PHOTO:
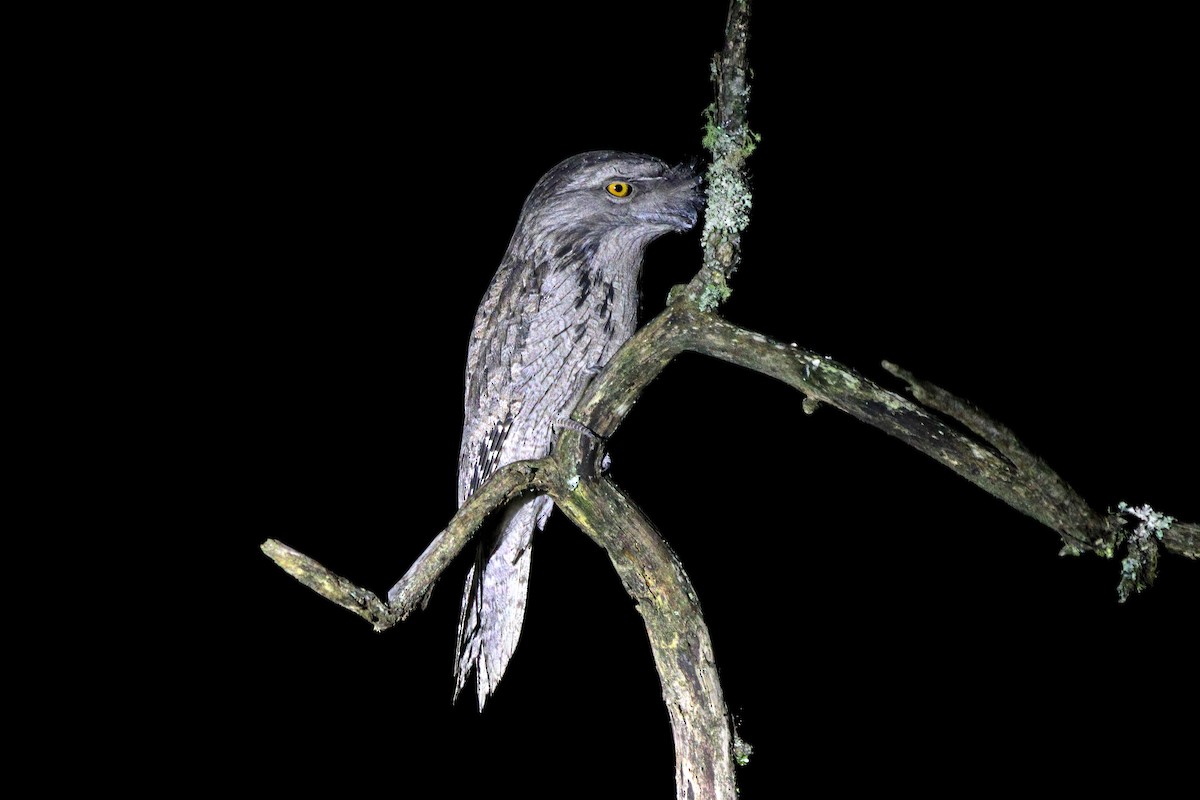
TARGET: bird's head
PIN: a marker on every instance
(607, 192)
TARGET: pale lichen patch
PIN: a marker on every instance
(742, 750)
(1139, 568)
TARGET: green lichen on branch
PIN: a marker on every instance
(728, 137)
(728, 202)
(742, 750)
(715, 293)
(720, 142)
(1139, 568)
(728, 196)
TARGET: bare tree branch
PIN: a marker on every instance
(1034, 488)
(1183, 539)
(328, 584)
(506, 484)
(730, 140)
(679, 639)
(996, 461)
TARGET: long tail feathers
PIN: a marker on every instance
(493, 606)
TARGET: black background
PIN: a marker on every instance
(994, 201)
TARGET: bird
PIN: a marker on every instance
(563, 300)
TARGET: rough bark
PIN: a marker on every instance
(679, 639)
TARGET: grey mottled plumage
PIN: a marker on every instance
(563, 300)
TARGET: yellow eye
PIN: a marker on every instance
(619, 189)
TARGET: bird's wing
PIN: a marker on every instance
(492, 400)
(493, 604)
